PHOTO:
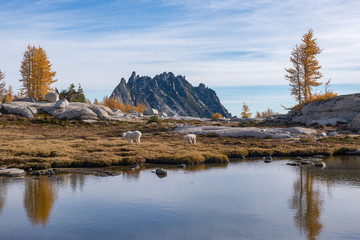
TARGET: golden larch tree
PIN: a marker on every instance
(309, 50)
(36, 73)
(304, 75)
(245, 111)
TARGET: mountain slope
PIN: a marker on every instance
(170, 94)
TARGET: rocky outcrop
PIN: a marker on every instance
(171, 95)
(61, 109)
(12, 172)
(340, 109)
(292, 132)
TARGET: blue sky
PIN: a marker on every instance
(237, 47)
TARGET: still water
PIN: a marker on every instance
(241, 200)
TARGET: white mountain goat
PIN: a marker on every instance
(130, 136)
(190, 138)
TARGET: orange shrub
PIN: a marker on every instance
(113, 103)
(216, 115)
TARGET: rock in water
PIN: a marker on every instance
(160, 171)
(12, 172)
(169, 94)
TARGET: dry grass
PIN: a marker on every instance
(38, 144)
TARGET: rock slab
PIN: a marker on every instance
(12, 172)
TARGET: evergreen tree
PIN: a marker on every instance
(245, 111)
(36, 73)
(2, 85)
(72, 95)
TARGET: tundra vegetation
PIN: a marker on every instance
(46, 142)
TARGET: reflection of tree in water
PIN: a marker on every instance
(306, 200)
(77, 180)
(3, 188)
(39, 199)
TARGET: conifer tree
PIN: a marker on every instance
(295, 75)
(309, 50)
(304, 74)
(245, 111)
(2, 85)
(36, 73)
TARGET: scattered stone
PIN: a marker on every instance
(181, 165)
(298, 158)
(12, 172)
(268, 159)
(134, 167)
(25, 99)
(320, 164)
(151, 111)
(321, 135)
(318, 156)
(62, 103)
(293, 164)
(307, 162)
(52, 97)
(332, 134)
(160, 171)
(48, 172)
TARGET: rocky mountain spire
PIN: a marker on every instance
(170, 94)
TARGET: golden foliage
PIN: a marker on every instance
(39, 200)
(245, 111)
(36, 73)
(216, 115)
(268, 112)
(113, 103)
(9, 95)
(304, 74)
(316, 98)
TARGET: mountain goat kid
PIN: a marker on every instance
(130, 136)
(190, 138)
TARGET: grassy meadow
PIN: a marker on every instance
(46, 142)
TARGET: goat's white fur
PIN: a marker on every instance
(130, 136)
(190, 138)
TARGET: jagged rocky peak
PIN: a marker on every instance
(170, 94)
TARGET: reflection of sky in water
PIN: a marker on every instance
(245, 200)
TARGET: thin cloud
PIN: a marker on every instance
(217, 42)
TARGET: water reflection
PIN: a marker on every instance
(307, 202)
(307, 199)
(39, 199)
(3, 190)
(77, 181)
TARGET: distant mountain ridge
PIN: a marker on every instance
(169, 94)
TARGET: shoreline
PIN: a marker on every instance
(41, 144)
